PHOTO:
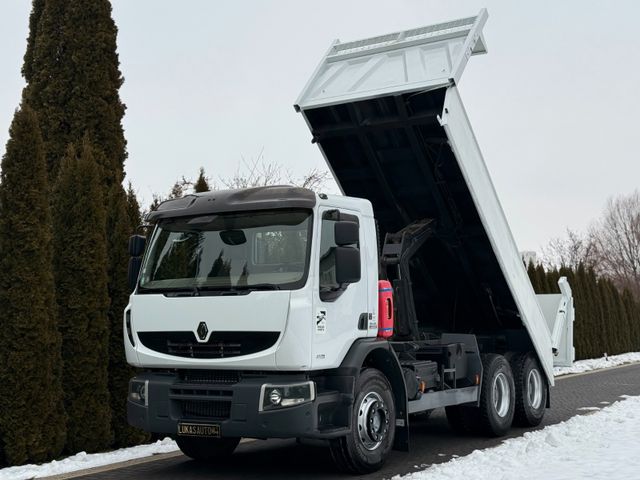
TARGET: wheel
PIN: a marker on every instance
(207, 449)
(497, 396)
(497, 401)
(365, 448)
(530, 389)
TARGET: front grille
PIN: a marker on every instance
(216, 409)
(219, 345)
(209, 377)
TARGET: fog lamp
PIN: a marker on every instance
(139, 391)
(279, 396)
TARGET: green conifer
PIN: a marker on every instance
(541, 281)
(533, 277)
(32, 419)
(133, 210)
(201, 184)
(633, 312)
(80, 249)
(73, 78)
(119, 228)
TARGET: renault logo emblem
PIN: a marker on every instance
(202, 331)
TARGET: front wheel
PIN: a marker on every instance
(365, 448)
(207, 450)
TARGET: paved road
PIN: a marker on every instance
(431, 441)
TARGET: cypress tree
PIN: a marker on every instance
(73, 76)
(554, 275)
(32, 419)
(201, 184)
(133, 209)
(80, 249)
(533, 277)
(582, 325)
(622, 325)
(73, 79)
(37, 8)
(633, 312)
(606, 317)
(541, 280)
(119, 228)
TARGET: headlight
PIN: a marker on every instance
(279, 396)
(139, 391)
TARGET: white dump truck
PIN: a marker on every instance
(277, 312)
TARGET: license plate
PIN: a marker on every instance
(199, 430)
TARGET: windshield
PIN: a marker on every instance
(235, 251)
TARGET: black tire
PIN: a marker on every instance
(531, 390)
(490, 418)
(490, 421)
(207, 450)
(359, 452)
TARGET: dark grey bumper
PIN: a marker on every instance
(235, 407)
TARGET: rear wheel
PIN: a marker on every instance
(531, 390)
(207, 449)
(497, 401)
(367, 445)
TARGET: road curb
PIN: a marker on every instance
(599, 370)
(114, 466)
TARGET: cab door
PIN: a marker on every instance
(340, 309)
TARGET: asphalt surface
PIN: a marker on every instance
(432, 441)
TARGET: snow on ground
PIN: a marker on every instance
(598, 363)
(598, 445)
(82, 461)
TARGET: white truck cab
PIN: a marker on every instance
(289, 298)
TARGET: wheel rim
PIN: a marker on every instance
(373, 421)
(501, 395)
(534, 388)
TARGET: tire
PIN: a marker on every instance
(531, 390)
(497, 396)
(207, 450)
(366, 447)
(495, 414)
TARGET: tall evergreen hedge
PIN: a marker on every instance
(73, 79)
(32, 418)
(607, 320)
(80, 250)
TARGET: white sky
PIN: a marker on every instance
(554, 104)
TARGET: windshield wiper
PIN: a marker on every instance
(239, 288)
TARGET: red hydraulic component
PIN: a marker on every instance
(385, 309)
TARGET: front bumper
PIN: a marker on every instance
(231, 400)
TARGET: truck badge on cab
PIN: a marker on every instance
(202, 331)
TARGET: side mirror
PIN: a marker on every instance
(134, 270)
(347, 265)
(346, 233)
(136, 245)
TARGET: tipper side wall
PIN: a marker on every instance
(400, 147)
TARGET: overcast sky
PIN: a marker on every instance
(554, 104)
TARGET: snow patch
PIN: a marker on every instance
(602, 445)
(598, 363)
(83, 460)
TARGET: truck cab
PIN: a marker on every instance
(246, 306)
